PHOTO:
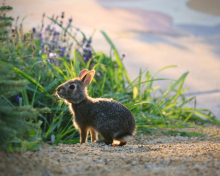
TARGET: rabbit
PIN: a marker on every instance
(106, 117)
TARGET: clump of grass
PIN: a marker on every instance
(43, 58)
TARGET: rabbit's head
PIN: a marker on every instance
(74, 90)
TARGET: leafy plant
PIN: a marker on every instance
(15, 131)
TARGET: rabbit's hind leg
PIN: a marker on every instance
(94, 135)
(107, 142)
(105, 131)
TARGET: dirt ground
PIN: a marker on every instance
(156, 154)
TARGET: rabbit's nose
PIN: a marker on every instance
(59, 89)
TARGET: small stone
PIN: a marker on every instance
(135, 147)
(65, 149)
(133, 163)
(46, 173)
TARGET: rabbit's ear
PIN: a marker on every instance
(83, 73)
(88, 77)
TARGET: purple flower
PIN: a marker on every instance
(62, 51)
(70, 20)
(68, 57)
(52, 48)
(89, 50)
(62, 15)
(42, 47)
(34, 30)
(87, 54)
(123, 54)
(39, 35)
(89, 42)
(61, 54)
(47, 28)
(85, 58)
(17, 99)
(54, 32)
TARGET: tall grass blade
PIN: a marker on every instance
(76, 62)
(118, 60)
(59, 71)
(153, 103)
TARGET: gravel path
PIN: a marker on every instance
(156, 154)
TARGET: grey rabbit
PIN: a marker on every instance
(106, 117)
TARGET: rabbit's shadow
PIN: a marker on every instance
(125, 149)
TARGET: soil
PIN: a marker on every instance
(156, 154)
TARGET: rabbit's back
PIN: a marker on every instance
(97, 112)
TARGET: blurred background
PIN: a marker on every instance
(151, 33)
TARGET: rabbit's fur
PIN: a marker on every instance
(106, 117)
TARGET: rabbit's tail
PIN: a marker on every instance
(123, 137)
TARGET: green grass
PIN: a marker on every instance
(155, 110)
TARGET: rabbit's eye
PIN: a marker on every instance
(72, 86)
